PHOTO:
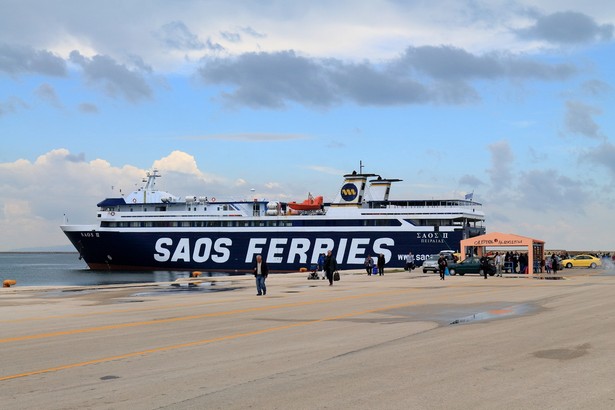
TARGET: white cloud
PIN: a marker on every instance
(579, 120)
(344, 29)
(47, 93)
(273, 185)
(116, 79)
(38, 194)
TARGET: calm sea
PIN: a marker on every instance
(65, 269)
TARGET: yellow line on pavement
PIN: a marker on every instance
(204, 341)
(214, 314)
(195, 317)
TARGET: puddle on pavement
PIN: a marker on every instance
(492, 314)
(174, 290)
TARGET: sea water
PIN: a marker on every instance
(66, 269)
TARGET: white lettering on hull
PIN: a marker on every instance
(275, 250)
(201, 252)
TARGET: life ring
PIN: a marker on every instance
(112, 213)
(134, 200)
(213, 199)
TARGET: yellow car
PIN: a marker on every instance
(582, 261)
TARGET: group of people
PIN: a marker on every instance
(514, 261)
(369, 265)
(327, 263)
(518, 263)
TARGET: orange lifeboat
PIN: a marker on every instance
(310, 204)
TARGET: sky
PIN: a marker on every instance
(509, 100)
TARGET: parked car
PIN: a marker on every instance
(431, 264)
(582, 261)
(470, 265)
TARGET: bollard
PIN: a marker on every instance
(8, 283)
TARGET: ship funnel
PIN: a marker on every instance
(380, 188)
(352, 191)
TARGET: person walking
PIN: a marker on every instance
(498, 264)
(484, 265)
(554, 264)
(409, 261)
(542, 265)
(261, 270)
(330, 266)
(442, 264)
(381, 264)
(321, 264)
(369, 265)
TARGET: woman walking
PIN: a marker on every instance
(330, 266)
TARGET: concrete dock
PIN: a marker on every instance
(398, 341)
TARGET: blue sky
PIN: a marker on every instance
(511, 100)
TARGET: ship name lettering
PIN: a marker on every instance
(275, 250)
(304, 251)
(431, 235)
(201, 251)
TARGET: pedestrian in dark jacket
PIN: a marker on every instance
(369, 263)
(330, 266)
(261, 270)
(554, 265)
(484, 265)
(442, 264)
(381, 264)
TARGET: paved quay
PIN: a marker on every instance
(398, 341)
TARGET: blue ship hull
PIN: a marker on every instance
(235, 251)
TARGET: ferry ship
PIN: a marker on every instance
(150, 229)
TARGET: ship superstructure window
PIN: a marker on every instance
(254, 223)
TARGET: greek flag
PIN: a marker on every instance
(470, 196)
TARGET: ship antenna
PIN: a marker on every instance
(360, 166)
